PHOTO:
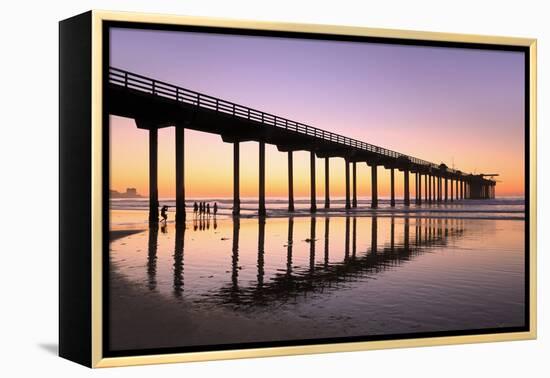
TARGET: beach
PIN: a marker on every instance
(223, 281)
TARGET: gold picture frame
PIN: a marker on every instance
(96, 19)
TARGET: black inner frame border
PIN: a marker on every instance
(106, 25)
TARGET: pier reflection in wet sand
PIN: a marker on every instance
(383, 275)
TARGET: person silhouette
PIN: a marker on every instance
(163, 213)
(195, 208)
(215, 208)
(200, 207)
(208, 209)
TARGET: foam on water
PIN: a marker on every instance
(512, 208)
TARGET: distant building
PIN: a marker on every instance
(130, 193)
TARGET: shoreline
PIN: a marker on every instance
(140, 226)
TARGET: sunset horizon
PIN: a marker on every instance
(445, 105)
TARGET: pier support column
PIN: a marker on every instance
(290, 182)
(313, 207)
(374, 186)
(446, 187)
(430, 188)
(348, 204)
(452, 192)
(436, 188)
(436, 183)
(461, 189)
(406, 194)
(439, 187)
(153, 177)
(327, 180)
(416, 188)
(261, 186)
(419, 177)
(419, 188)
(426, 187)
(236, 179)
(180, 175)
(392, 187)
(354, 187)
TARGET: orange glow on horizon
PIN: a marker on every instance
(209, 165)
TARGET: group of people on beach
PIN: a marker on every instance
(204, 208)
(200, 209)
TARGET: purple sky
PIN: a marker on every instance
(438, 104)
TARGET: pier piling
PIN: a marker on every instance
(392, 187)
(406, 194)
(374, 186)
(236, 179)
(290, 182)
(313, 181)
(180, 175)
(354, 186)
(261, 186)
(327, 180)
(348, 203)
(153, 177)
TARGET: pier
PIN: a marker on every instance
(155, 104)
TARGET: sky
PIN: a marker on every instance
(463, 107)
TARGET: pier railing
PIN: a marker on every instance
(159, 88)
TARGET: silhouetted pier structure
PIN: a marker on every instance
(154, 104)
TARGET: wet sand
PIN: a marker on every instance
(477, 270)
(162, 323)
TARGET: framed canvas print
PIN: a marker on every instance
(236, 189)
